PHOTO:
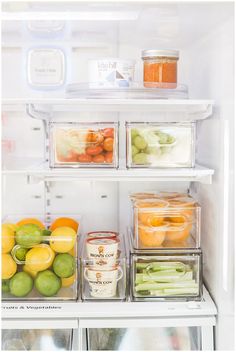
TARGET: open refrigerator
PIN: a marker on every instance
(38, 183)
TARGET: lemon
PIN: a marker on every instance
(73, 251)
(39, 258)
(12, 226)
(9, 267)
(8, 238)
(32, 273)
(67, 281)
(63, 239)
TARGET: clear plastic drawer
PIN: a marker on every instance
(83, 145)
(166, 276)
(160, 145)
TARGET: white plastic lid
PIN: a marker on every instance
(160, 53)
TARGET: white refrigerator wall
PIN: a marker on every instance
(203, 32)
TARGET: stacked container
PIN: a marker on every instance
(165, 247)
(103, 267)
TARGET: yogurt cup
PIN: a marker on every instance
(110, 72)
(103, 283)
(102, 234)
(103, 251)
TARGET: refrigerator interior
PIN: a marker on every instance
(203, 32)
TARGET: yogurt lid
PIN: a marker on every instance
(103, 241)
(100, 234)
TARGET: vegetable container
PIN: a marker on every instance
(103, 282)
(84, 145)
(160, 68)
(160, 145)
(111, 72)
(39, 259)
(166, 223)
(168, 275)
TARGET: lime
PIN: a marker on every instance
(47, 283)
(21, 253)
(21, 284)
(5, 286)
(46, 232)
(64, 265)
(28, 235)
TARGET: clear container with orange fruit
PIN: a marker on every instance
(166, 222)
(84, 145)
(39, 257)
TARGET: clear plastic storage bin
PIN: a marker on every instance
(83, 145)
(166, 223)
(160, 145)
(39, 258)
(103, 266)
(169, 275)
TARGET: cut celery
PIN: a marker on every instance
(156, 266)
(167, 277)
(185, 290)
(168, 286)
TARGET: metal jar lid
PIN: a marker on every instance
(160, 53)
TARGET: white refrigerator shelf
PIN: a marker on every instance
(27, 310)
(171, 110)
(39, 170)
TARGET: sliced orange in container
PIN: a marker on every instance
(153, 218)
(151, 237)
(178, 231)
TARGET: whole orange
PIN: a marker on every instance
(64, 222)
(30, 221)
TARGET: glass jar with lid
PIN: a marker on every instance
(160, 68)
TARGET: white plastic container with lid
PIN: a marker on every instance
(46, 68)
(111, 72)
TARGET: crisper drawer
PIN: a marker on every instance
(83, 144)
(145, 339)
(166, 333)
(40, 335)
(166, 276)
(156, 145)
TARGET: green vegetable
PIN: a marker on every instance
(140, 158)
(134, 150)
(165, 279)
(140, 143)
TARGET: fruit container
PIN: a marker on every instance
(103, 282)
(84, 145)
(39, 258)
(166, 275)
(160, 145)
(166, 223)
